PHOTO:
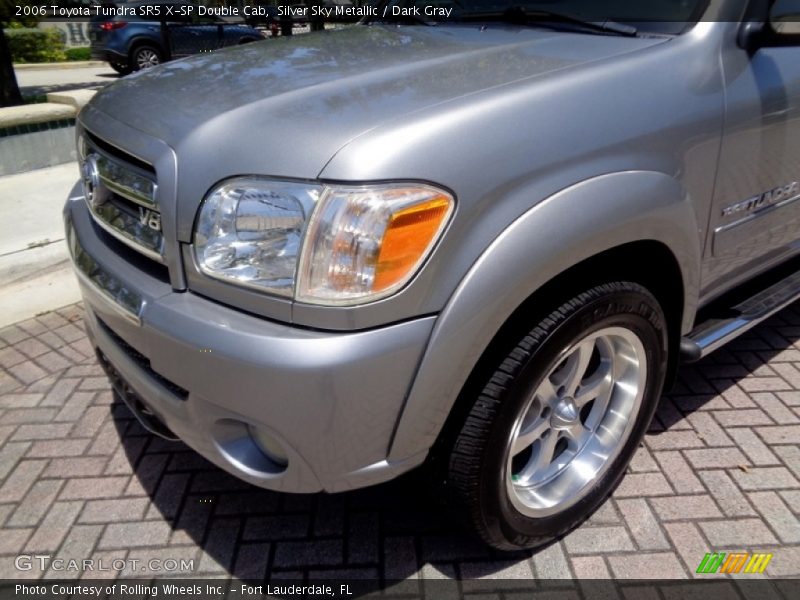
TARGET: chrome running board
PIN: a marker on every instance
(711, 334)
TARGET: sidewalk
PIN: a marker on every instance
(39, 79)
(72, 64)
(35, 274)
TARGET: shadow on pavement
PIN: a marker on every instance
(741, 358)
(382, 533)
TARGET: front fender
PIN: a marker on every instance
(573, 225)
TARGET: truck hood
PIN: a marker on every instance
(285, 107)
(292, 102)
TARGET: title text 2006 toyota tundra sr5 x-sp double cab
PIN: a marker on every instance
(482, 244)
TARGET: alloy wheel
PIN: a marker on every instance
(576, 421)
(146, 58)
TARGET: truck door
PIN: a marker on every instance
(755, 220)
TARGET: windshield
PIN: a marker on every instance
(655, 16)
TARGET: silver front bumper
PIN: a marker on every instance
(332, 399)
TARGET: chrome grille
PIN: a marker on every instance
(122, 197)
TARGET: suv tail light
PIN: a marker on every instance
(111, 25)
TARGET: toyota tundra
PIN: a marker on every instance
(481, 243)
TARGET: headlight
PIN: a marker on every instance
(331, 245)
(249, 232)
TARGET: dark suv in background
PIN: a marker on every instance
(130, 43)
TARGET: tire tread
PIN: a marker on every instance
(465, 462)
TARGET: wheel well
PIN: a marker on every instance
(648, 263)
(138, 43)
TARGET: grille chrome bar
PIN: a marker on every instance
(129, 230)
(122, 199)
(127, 183)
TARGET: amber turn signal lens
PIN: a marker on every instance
(408, 237)
(366, 242)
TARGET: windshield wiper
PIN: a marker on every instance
(519, 14)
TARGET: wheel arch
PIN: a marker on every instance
(637, 226)
(144, 40)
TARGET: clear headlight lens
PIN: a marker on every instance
(360, 244)
(249, 232)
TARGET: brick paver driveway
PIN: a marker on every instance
(720, 471)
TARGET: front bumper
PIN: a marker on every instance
(208, 372)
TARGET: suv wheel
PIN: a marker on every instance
(144, 57)
(554, 427)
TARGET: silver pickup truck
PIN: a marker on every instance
(480, 242)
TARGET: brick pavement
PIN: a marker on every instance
(79, 478)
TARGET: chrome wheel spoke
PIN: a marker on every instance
(547, 392)
(600, 407)
(542, 458)
(577, 434)
(598, 384)
(527, 437)
(574, 370)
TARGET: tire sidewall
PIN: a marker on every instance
(637, 312)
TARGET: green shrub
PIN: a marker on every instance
(35, 45)
(78, 53)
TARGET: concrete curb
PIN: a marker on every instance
(28, 114)
(59, 105)
(73, 64)
(75, 98)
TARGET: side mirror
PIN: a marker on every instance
(784, 21)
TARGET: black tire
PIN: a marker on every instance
(479, 478)
(136, 61)
(121, 68)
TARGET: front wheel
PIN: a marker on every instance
(144, 57)
(550, 434)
